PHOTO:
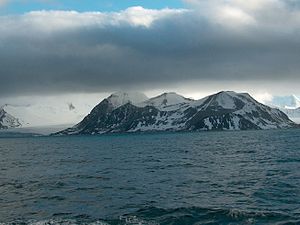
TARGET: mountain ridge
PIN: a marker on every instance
(290, 105)
(225, 110)
(7, 120)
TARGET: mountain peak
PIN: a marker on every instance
(169, 93)
(296, 101)
(7, 120)
(233, 94)
(285, 102)
(118, 99)
(224, 99)
(167, 99)
(226, 92)
(224, 110)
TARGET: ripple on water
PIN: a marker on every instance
(183, 178)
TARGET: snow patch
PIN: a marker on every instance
(121, 98)
(167, 102)
(225, 100)
(7, 120)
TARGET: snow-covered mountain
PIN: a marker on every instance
(290, 105)
(293, 114)
(285, 102)
(121, 98)
(46, 114)
(7, 120)
(167, 101)
(172, 112)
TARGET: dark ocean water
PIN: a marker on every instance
(249, 177)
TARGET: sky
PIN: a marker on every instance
(23, 6)
(194, 47)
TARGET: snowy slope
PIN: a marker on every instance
(7, 120)
(169, 111)
(293, 114)
(45, 114)
(121, 98)
(290, 105)
(222, 99)
(167, 101)
(37, 115)
(234, 111)
(285, 102)
(49, 112)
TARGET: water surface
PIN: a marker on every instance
(248, 177)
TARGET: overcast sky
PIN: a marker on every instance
(192, 46)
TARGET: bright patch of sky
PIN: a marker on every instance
(22, 6)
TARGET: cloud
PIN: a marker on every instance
(212, 41)
(3, 2)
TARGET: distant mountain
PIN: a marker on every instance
(121, 98)
(172, 112)
(285, 102)
(7, 120)
(46, 114)
(290, 105)
(56, 112)
(293, 114)
(167, 101)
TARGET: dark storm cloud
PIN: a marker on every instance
(56, 52)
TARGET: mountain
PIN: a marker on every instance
(121, 98)
(293, 114)
(47, 113)
(167, 101)
(285, 102)
(172, 112)
(290, 105)
(7, 120)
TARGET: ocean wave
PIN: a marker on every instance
(177, 216)
(55, 222)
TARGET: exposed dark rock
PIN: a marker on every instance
(169, 111)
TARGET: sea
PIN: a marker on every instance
(234, 177)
